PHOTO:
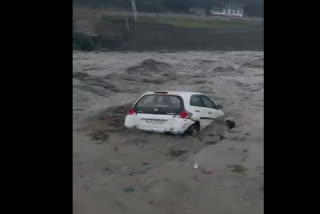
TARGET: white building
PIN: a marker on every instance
(227, 12)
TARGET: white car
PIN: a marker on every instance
(173, 111)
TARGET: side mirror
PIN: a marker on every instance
(219, 107)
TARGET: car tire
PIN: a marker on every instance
(192, 130)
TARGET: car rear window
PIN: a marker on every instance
(159, 104)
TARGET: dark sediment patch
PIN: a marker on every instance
(258, 63)
(154, 81)
(80, 75)
(150, 65)
(91, 89)
(176, 153)
(241, 84)
(200, 82)
(93, 84)
(108, 121)
(199, 76)
(221, 69)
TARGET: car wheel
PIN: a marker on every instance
(192, 130)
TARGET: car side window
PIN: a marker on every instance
(208, 103)
(196, 101)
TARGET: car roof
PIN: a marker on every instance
(179, 93)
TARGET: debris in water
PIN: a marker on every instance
(147, 167)
(195, 166)
(222, 137)
(128, 189)
(148, 181)
(176, 153)
(237, 168)
(145, 163)
(230, 122)
(204, 171)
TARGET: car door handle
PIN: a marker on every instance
(197, 111)
(209, 112)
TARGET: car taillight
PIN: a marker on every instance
(183, 114)
(132, 112)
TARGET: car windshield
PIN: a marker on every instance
(159, 104)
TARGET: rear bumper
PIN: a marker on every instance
(174, 125)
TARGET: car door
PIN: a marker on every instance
(199, 111)
(212, 111)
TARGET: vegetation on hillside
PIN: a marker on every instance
(170, 33)
(190, 22)
(252, 8)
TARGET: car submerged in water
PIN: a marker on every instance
(173, 112)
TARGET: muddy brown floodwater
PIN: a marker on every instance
(120, 171)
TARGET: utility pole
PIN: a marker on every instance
(127, 22)
(134, 10)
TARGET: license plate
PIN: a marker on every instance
(157, 122)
